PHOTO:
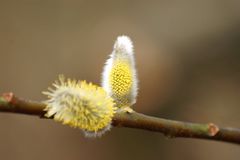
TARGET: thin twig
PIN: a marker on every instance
(170, 128)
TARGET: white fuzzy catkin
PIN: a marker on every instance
(119, 78)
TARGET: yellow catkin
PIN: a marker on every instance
(80, 104)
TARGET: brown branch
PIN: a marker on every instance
(170, 128)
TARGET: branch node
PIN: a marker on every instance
(212, 129)
(8, 96)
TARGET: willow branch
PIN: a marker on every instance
(170, 128)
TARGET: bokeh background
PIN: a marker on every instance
(188, 60)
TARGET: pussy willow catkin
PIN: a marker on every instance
(80, 105)
(119, 77)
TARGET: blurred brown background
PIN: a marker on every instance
(188, 60)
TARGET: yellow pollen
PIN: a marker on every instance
(121, 80)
